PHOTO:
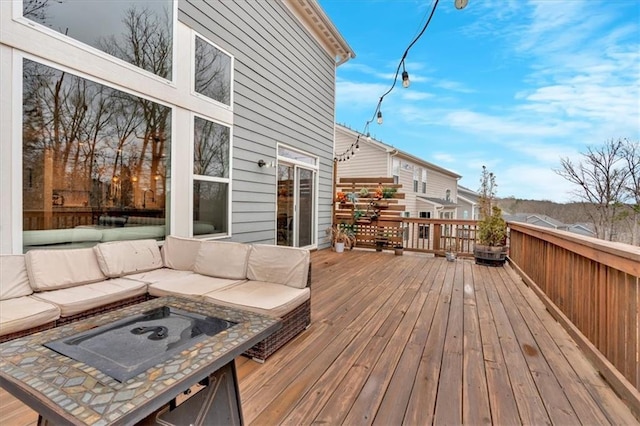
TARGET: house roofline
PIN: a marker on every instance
(397, 152)
(462, 197)
(316, 21)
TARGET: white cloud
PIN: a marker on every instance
(537, 182)
(443, 157)
(358, 94)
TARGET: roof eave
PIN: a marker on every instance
(316, 21)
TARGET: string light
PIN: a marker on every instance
(405, 79)
(377, 114)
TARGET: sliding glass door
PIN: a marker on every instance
(296, 210)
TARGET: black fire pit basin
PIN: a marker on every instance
(127, 347)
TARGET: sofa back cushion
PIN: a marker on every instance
(180, 253)
(223, 259)
(51, 269)
(278, 264)
(119, 258)
(14, 281)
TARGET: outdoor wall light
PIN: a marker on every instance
(262, 163)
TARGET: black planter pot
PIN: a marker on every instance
(489, 255)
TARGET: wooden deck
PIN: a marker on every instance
(417, 340)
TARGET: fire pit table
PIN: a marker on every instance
(135, 364)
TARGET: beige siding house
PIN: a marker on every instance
(430, 191)
(468, 207)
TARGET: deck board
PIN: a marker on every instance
(414, 339)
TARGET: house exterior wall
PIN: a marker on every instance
(284, 93)
(438, 184)
(369, 158)
(465, 207)
(283, 84)
(376, 159)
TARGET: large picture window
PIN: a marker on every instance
(211, 166)
(95, 161)
(212, 72)
(139, 32)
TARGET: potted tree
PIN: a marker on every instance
(491, 236)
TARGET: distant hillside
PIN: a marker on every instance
(566, 213)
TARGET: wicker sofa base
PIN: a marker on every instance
(293, 323)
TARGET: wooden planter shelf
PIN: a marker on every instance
(382, 217)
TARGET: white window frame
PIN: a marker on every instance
(204, 178)
(192, 85)
(19, 19)
(17, 142)
(424, 181)
(301, 164)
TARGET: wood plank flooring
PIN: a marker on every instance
(417, 340)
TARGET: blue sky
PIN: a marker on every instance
(515, 85)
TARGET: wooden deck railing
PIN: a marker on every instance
(592, 287)
(438, 236)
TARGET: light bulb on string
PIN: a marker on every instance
(405, 79)
(379, 117)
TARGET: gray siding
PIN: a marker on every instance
(284, 92)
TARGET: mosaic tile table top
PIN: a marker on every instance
(64, 390)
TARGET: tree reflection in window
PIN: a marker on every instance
(139, 32)
(90, 151)
(211, 177)
(212, 72)
(211, 149)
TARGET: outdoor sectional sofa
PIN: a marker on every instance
(49, 287)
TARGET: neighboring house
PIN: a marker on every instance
(549, 222)
(468, 207)
(128, 119)
(430, 191)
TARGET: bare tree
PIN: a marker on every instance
(631, 155)
(602, 178)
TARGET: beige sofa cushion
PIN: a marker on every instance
(278, 264)
(192, 286)
(75, 300)
(157, 275)
(260, 297)
(23, 313)
(223, 259)
(51, 269)
(180, 253)
(14, 281)
(118, 258)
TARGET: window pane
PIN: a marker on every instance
(210, 149)
(212, 72)
(210, 212)
(295, 155)
(137, 31)
(93, 157)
